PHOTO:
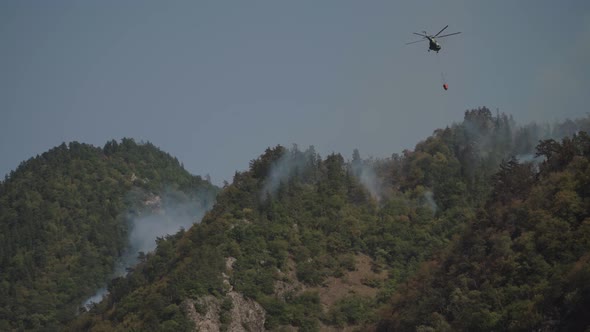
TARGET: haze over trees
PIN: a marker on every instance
(483, 226)
(522, 263)
(65, 221)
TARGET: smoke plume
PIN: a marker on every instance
(156, 216)
(292, 163)
(364, 171)
(429, 199)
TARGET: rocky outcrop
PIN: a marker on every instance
(234, 312)
(246, 314)
(204, 312)
(209, 315)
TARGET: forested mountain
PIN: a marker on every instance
(467, 232)
(65, 222)
(522, 264)
(483, 226)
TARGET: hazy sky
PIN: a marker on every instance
(215, 83)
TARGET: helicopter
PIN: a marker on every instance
(433, 44)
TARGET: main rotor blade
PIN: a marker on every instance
(417, 41)
(443, 29)
(450, 34)
(419, 34)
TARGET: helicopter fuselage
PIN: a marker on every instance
(433, 45)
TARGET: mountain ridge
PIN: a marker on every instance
(298, 227)
(295, 211)
(64, 224)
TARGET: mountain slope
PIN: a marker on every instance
(524, 262)
(64, 224)
(296, 224)
(303, 242)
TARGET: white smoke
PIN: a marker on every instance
(291, 163)
(529, 158)
(96, 298)
(367, 177)
(159, 216)
(364, 171)
(429, 198)
(280, 172)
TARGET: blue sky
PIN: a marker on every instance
(216, 82)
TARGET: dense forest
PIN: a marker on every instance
(483, 226)
(65, 222)
(522, 264)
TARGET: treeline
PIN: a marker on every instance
(439, 220)
(294, 211)
(63, 224)
(522, 264)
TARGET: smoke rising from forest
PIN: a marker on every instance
(364, 171)
(429, 198)
(489, 134)
(369, 180)
(292, 162)
(529, 158)
(297, 163)
(155, 217)
(484, 138)
(285, 167)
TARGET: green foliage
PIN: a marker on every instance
(517, 266)
(351, 310)
(295, 217)
(303, 311)
(470, 238)
(63, 224)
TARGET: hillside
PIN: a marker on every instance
(301, 242)
(522, 264)
(483, 226)
(65, 221)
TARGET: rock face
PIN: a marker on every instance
(244, 315)
(210, 313)
(207, 317)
